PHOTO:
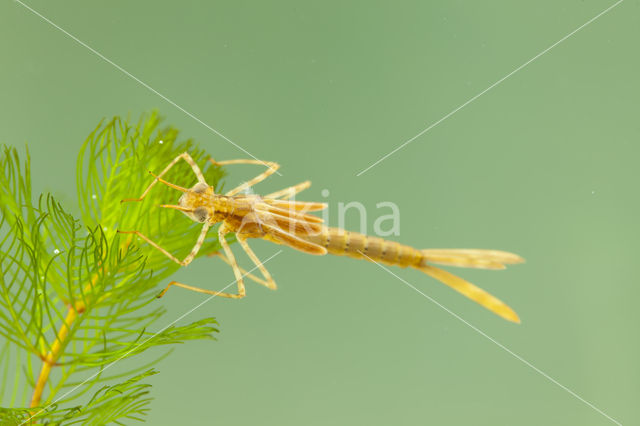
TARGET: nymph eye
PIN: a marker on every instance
(201, 214)
(199, 188)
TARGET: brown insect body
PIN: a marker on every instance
(275, 218)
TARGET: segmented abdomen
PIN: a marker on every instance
(344, 243)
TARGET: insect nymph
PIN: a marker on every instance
(275, 218)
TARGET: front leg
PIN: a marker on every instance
(187, 260)
(186, 157)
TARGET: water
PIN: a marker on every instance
(543, 164)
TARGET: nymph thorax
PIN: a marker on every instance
(202, 204)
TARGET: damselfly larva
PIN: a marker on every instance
(275, 218)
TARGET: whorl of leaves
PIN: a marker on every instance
(51, 261)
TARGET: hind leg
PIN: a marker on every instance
(272, 168)
(290, 191)
(244, 273)
(222, 231)
(265, 273)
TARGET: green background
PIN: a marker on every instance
(544, 165)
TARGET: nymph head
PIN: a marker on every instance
(196, 202)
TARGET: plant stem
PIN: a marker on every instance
(50, 359)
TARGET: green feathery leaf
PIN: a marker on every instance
(77, 295)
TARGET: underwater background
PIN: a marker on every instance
(543, 164)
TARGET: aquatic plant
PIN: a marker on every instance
(76, 297)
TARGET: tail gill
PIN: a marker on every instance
(470, 258)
